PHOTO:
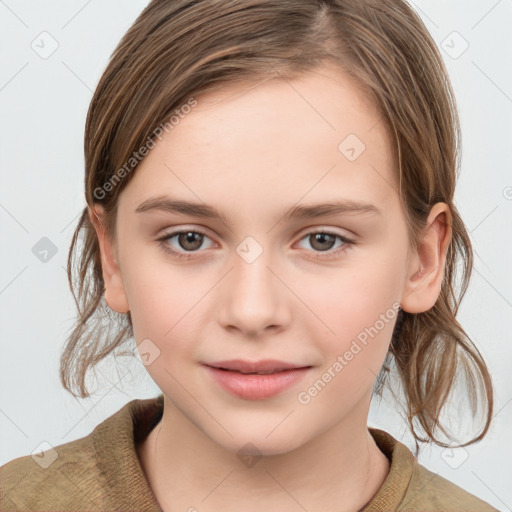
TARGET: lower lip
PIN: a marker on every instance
(254, 386)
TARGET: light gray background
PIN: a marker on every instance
(43, 104)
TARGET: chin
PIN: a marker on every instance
(256, 441)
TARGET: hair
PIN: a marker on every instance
(175, 50)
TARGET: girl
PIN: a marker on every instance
(270, 207)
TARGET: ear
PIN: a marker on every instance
(426, 266)
(115, 295)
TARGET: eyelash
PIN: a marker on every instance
(183, 256)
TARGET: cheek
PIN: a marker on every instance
(361, 310)
(358, 308)
(167, 307)
(161, 313)
(157, 294)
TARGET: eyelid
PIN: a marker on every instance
(175, 230)
(327, 229)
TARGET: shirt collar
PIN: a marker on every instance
(115, 447)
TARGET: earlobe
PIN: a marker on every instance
(115, 295)
(427, 264)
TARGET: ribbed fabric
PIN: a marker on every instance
(101, 472)
(114, 444)
(394, 488)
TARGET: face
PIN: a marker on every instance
(317, 291)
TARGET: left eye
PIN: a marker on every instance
(192, 240)
(323, 241)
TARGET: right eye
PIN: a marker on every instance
(189, 239)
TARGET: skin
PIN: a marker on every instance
(251, 151)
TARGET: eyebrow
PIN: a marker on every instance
(167, 204)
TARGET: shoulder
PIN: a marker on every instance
(97, 472)
(59, 478)
(411, 487)
(430, 492)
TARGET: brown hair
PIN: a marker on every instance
(177, 49)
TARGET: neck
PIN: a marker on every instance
(340, 469)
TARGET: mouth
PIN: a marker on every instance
(256, 380)
(269, 372)
(264, 367)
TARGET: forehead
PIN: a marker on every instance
(274, 142)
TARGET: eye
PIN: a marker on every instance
(324, 241)
(190, 240)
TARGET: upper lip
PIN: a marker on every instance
(266, 365)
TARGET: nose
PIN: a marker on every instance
(253, 298)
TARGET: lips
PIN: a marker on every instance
(265, 367)
(255, 380)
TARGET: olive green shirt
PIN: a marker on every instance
(101, 471)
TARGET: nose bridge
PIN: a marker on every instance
(252, 277)
(252, 300)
